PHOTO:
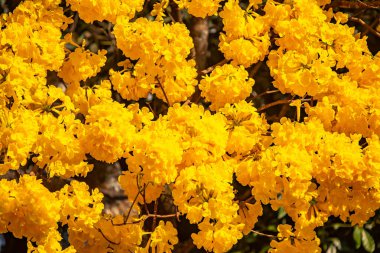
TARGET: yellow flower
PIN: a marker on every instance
(91, 10)
(246, 127)
(161, 52)
(22, 198)
(217, 237)
(199, 8)
(82, 64)
(79, 206)
(194, 124)
(18, 134)
(226, 84)
(246, 40)
(163, 238)
(109, 131)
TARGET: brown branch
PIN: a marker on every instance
(211, 68)
(367, 26)
(75, 23)
(355, 5)
(175, 12)
(249, 199)
(155, 215)
(130, 209)
(144, 199)
(374, 23)
(163, 91)
(105, 237)
(163, 216)
(151, 109)
(255, 69)
(133, 203)
(262, 94)
(278, 102)
(263, 234)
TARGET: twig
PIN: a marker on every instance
(163, 216)
(176, 12)
(255, 69)
(74, 25)
(355, 5)
(145, 205)
(262, 94)
(375, 22)
(263, 234)
(368, 27)
(196, 96)
(279, 102)
(155, 215)
(163, 91)
(104, 236)
(130, 208)
(249, 199)
(151, 109)
(211, 68)
(178, 214)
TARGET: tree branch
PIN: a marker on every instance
(355, 5)
(367, 26)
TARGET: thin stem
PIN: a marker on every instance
(151, 109)
(355, 5)
(130, 209)
(155, 215)
(367, 26)
(105, 237)
(75, 23)
(263, 234)
(163, 216)
(374, 23)
(255, 69)
(263, 93)
(279, 102)
(211, 68)
(145, 205)
(249, 199)
(163, 91)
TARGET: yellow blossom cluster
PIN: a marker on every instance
(81, 65)
(92, 10)
(199, 8)
(312, 56)
(232, 84)
(159, 69)
(205, 194)
(245, 40)
(327, 164)
(29, 209)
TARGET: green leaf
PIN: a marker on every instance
(357, 236)
(368, 242)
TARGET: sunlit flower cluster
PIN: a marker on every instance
(194, 153)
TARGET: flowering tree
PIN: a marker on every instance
(164, 97)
